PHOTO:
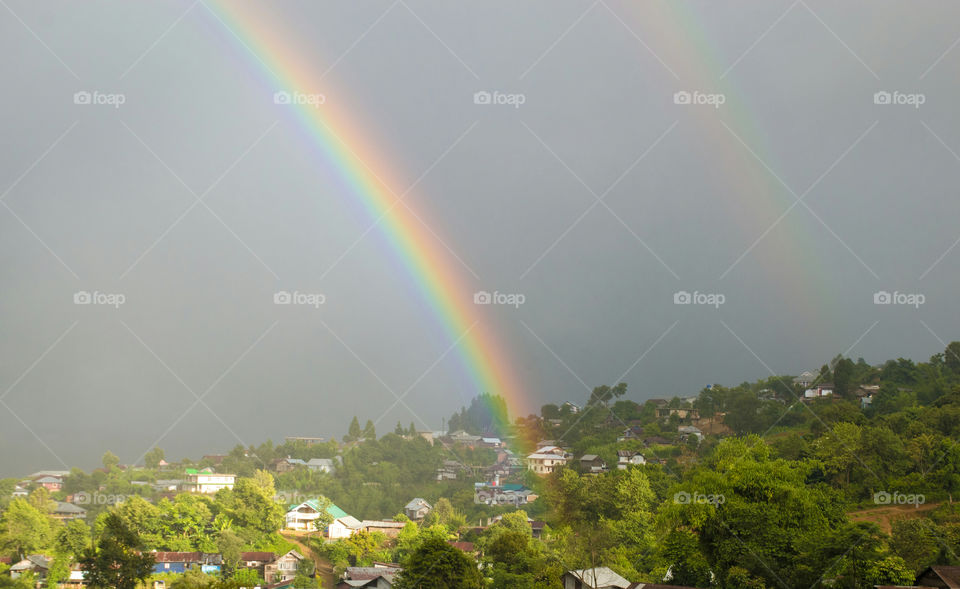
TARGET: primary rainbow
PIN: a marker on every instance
(346, 149)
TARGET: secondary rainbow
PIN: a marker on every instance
(346, 148)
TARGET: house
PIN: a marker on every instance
(283, 568)
(686, 431)
(502, 494)
(822, 390)
(448, 471)
(462, 437)
(946, 577)
(633, 432)
(376, 577)
(536, 526)
(256, 560)
(326, 465)
(547, 459)
(20, 492)
(491, 442)
(67, 511)
(805, 379)
(302, 517)
(428, 436)
(207, 482)
(595, 578)
(176, 562)
(388, 528)
(304, 440)
(37, 564)
(592, 463)
(569, 407)
(467, 547)
(50, 483)
(167, 484)
(417, 509)
(626, 458)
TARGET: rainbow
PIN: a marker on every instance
(346, 148)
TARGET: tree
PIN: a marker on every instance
(951, 357)
(843, 370)
(305, 578)
(324, 517)
(550, 411)
(73, 538)
(354, 432)
(399, 430)
(413, 429)
(117, 561)
(604, 393)
(153, 457)
(229, 544)
(438, 565)
(23, 528)
(40, 499)
(109, 460)
(369, 431)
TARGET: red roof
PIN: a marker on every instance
(261, 556)
(5, 560)
(177, 556)
(464, 546)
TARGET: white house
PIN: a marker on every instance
(546, 459)
(207, 482)
(627, 457)
(595, 578)
(824, 390)
(344, 527)
(417, 509)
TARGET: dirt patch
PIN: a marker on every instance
(884, 515)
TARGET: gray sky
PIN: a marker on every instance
(700, 198)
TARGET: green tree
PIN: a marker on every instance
(438, 565)
(305, 578)
(73, 538)
(40, 499)
(354, 432)
(110, 460)
(153, 457)
(229, 544)
(369, 431)
(24, 529)
(118, 560)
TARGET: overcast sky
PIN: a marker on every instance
(785, 195)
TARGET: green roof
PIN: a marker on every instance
(333, 510)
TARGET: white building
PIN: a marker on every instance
(627, 457)
(207, 482)
(547, 459)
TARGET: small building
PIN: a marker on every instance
(67, 511)
(946, 577)
(343, 527)
(302, 517)
(547, 459)
(20, 492)
(591, 463)
(207, 482)
(388, 528)
(627, 458)
(417, 508)
(176, 562)
(595, 578)
(304, 440)
(491, 442)
(379, 576)
(686, 431)
(817, 392)
(37, 564)
(256, 560)
(282, 568)
(634, 432)
(805, 379)
(50, 483)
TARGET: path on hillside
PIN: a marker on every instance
(324, 567)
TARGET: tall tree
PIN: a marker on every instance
(118, 560)
(23, 528)
(369, 431)
(354, 432)
(109, 460)
(438, 565)
(153, 457)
